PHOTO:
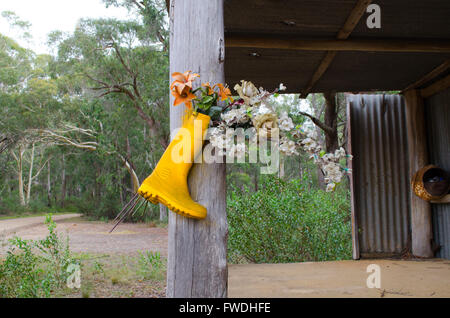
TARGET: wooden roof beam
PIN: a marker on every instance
(429, 76)
(435, 88)
(349, 25)
(361, 45)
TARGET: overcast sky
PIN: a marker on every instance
(49, 15)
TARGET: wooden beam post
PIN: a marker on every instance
(197, 260)
(418, 157)
(355, 238)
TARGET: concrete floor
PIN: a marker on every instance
(399, 278)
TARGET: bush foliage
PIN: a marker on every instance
(287, 221)
(35, 268)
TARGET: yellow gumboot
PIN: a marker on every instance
(168, 182)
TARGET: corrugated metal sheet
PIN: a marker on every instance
(380, 173)
(438, 127)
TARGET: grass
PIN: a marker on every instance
(41, 268)
(123, 276)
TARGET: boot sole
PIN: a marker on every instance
(156, 197)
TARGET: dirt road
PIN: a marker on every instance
(92, 237)
(10, 226)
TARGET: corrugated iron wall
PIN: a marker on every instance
(380, 173)
(437, 110)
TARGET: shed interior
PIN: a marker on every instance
(316, 46)
(419, 29)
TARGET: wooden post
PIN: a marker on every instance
(418, 158)
(197, 260)
(355, 238)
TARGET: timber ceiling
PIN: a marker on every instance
(349, 71)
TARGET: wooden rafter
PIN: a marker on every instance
(436, 87)
(353, 19)
(344, 33)
(429, 76)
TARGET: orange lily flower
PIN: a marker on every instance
(183, 80)
(224, 92)
(186, 96)
(208, 86)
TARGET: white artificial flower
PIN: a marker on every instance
(247, 91)
(242, 116)
(330, 187)
(288, 147)
(328, 157)
(333, 172)
(308, 141)
(282, 87)
(285, 122)
(235, 115)
(297, 134)
(263, 109)
(339, 153)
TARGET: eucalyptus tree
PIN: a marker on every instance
(124, 66)
(119, 61)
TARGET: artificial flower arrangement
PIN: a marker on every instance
(253, 109)
(217, 111)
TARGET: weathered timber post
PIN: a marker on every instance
(197, 260)
(418, 157)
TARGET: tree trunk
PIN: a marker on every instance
(331, 137)
(30, 176)
(20, 176)
(49, 186)
(318, 114)
(63, 181)
(197, 260)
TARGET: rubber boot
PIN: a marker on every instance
(168, 182)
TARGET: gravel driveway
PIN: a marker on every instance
(93, 237)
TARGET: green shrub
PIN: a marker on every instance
(35, 268)
(151, 266)
(286, 221)
(11, 205)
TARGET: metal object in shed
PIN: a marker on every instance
(424, 185)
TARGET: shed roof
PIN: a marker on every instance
(411, 24)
